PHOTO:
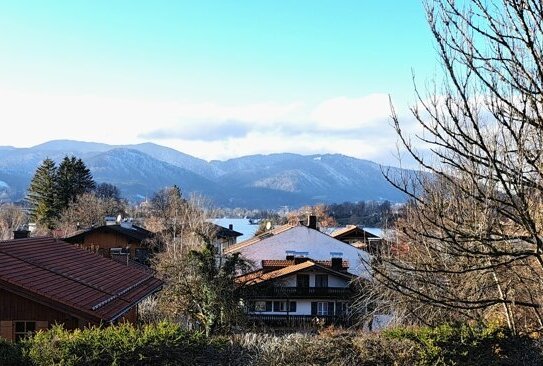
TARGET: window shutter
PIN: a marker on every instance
(330, 308)
(293, 306)
(269, 306)
(313, 308)
(276, 306)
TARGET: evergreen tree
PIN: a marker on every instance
(42, 196)
(107, 191)
(73, 179)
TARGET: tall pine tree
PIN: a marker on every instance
(73, 179)
(42, 194)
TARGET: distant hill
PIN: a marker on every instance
(256, 181)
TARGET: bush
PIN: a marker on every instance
(10, 353)
(160, 344)
(168, 344)
(461, 344)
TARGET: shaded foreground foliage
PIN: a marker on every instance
(168, 344)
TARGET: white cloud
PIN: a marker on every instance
(353, 126)
(343, 113)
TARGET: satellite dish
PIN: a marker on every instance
(119, 218)
(268, 225)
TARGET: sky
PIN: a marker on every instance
(214, 79)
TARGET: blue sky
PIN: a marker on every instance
(215, 79)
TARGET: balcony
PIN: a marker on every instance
(303, 292)
(300, 320)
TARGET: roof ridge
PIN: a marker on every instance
(260, 237)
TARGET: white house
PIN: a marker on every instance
(301, 241)
(297, 290)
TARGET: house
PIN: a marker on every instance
(297, 290)
(114, 239)
(225, 237)
(358, 237)
(301, 241)
(44, 281)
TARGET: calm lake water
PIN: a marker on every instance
(240, 225)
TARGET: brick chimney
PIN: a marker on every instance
(312, 222)
(230, 226)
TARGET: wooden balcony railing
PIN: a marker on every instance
(297, 320)
(303, 292)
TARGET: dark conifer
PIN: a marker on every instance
(42, 196)
(73, 179)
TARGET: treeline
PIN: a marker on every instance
(54, 189)
(366, 213)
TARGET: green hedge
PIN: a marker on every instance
(168, 344)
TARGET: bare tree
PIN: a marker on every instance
(471, 244)
(86, 211)
(12, 217)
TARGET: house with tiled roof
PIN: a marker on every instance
(123, 241)
(357, 236)
(44, 281)
(301, 241)
(298, 290)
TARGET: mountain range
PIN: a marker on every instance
(255, 181)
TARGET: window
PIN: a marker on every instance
(280, 306)
(260, 305)
(284, 306)
(322, 308)
(24, 329)
(302, 281)
(341, 308)
(321, 280)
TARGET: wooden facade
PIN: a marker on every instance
(15, 308)
(103, 242)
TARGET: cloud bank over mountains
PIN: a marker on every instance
(357, 127)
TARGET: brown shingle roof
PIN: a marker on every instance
(72, 280)
(272, 263)
(260, 276)
(135, 233)
(351, 229)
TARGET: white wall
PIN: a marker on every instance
(333, 281)
(302, 239)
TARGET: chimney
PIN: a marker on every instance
(110, 220)
(312, 222)
(230, 227)
(299, 260)
(126, 223)
(337, 264)
(290, 257)
(21, 234)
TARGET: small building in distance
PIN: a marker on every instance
(114, 239)
(44, 281)
(298, 290)
(358, 237)
(225, 237)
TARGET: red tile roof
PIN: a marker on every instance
(278, 263)
(260, 276)
(72, 280)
